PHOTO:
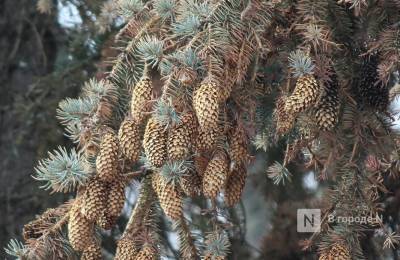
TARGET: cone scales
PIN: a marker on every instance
(337, 252)
(126, 250)
(304, 95)
(155, 143)
(94, 199)
(80, 229)
(235, 186)
(92, 252)
(180, 138)
(141, 95)
(205, 103)
(129, 138)
(107, 161)
(215, 175)
(169, 196)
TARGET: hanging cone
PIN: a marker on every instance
(92, 252)
(141, 95)
(107, 160)
(130, 139)
(235, 186)
(126, 250)
(94, 199)
(205, 103)
(155, 143)
(80, 229)
(215, 175)
(304, 95)
(168, 195)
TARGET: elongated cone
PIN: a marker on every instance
(130, 139)
(191, 184)
(337, 252)
(106, 221)
(146, 253)
(116, 198)
(304, 95)
(207, 140)
(141, 95)
(80, 229)
(327, 109)
(179, 143)
(200, 164)
(107, 160)
(155, 143)
(215, 175)
(92, 252)
(94, 199)
(169, 196)
(235, 186)
(206, 105)
(284, 120)
(371, 93)
(238, 146)
(126, 249)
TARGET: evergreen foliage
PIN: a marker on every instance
(261, 66)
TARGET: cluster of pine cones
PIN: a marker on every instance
(218, 162)
(100, 202)
(323, 104)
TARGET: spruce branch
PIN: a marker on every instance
(173, 171)
(17, 249)
(166, 9)
(187, 247)
(165, 113)
(62, 171)
(278, 173)
(217, 244)
(73, 110)
(129, 8)
(300, 63)
(151, 49)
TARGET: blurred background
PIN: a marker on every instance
(45, 56)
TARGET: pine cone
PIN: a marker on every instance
(107, 161)
(207, 140)
(337, 252)
(327, 108)
(130, 139)
(215, 175)
(106, 221)
(369, 93)
(205, 103)
(200, 164)
(304, 95)
(180, 139)
(238, 146)
(191, 184)
(141, 95)
(94, 199)
(80, 229)
(92, 252)
(146, 253)
(116, 198)
(284, 120)
(169, 196)
(235, 186)
(155, 143)
(126, 250)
